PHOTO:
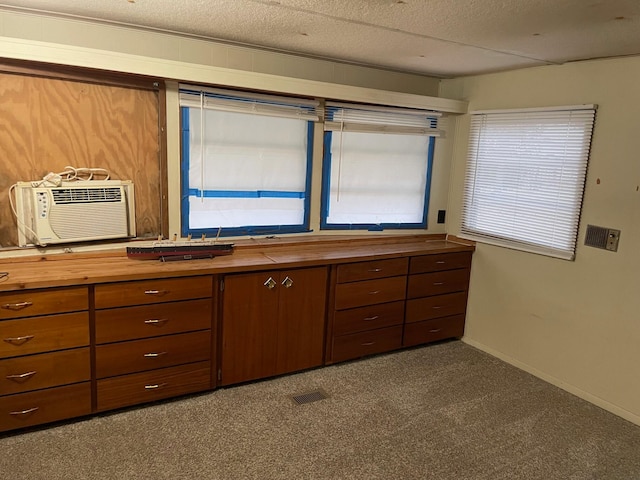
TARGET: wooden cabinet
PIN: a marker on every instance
(45, 367)
(368, 308)
(153, 340)
(436, 297)
(272, 323)
(77, 342)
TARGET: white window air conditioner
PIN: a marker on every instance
(74, 211)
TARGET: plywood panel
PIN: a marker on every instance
(47, 124)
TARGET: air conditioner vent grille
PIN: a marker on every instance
(86, 195)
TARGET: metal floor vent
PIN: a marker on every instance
(309, 397)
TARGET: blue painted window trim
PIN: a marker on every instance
(374, 227)
(249, 230)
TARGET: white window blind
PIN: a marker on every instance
(525, 177)
(377, 166)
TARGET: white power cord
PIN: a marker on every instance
(71, 174)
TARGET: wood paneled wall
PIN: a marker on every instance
(48, 123)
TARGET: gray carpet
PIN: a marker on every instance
(445, 411)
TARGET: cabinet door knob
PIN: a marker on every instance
(287, 282)
(18, 340)
(270, 283)
(17, 306)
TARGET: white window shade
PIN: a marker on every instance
(364, 119)
(525, 177)
(247, 102)
(245, 162)
(377, 166)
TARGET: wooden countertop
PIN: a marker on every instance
(46, 271)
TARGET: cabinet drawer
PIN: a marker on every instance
(44, 406)
(368, 318)
(426, 308)
(443, 261)
(432, 330)
(360, 344)
(370, 292)
(43, 334)
(43, 302)
(129, 323)
(437, 283)
(140, 355)
(155, 385)
(353, 272)
(152, 291)
(33, 372)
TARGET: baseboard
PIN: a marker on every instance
(610, 407)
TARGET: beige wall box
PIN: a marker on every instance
(74, 211)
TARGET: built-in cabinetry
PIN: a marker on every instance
(153, 340)
(379, 306)
(78, 337)
(436, 297)
(368, 308)
(272, 323)
(45, 367)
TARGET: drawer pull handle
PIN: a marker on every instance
(436, 307)
(155, 386)
(438, 283)
(375, 292)
(441, 262)
(156, 292)
(368, 319)
(367, 344)
(154, 354)
(156, 321)
(375, 270)
(24, 412)
(21, 377)
(435, 330)
(270, 283)
(18, 340)
(287, 282)
(17, 306)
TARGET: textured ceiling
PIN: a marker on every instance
(434, 37)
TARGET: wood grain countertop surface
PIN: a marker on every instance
(65, 269)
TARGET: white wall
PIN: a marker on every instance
(576, 324)
(47, 38)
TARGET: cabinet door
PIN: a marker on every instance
(301, 319)
(249, 326)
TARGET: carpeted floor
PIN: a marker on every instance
(446, 411)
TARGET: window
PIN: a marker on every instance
(246, 162)
(525, 178)
(377, 167)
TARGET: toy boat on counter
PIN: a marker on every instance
(167, 250)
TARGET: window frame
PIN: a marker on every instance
(431, 132)
(246, 230)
